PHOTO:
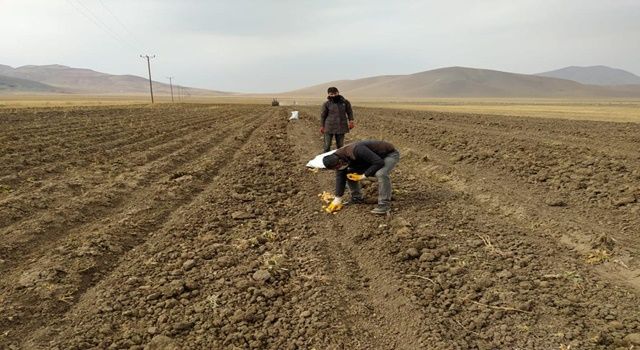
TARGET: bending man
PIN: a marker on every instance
(358, 160)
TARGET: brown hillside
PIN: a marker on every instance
(80, 80)
(466, 82)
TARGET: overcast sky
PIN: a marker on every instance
(279, 45)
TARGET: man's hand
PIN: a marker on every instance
(334, 206)
(351, 125)
(322, 130)
(355, 177)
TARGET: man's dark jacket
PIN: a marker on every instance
(363, 157)
(335, 115)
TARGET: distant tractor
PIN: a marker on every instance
(275, 102)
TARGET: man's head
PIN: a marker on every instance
(333, 162)
(333, 91)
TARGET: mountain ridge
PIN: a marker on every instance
(87, 81)
(594, 75)
(466, 82)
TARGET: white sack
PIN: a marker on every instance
(317, 161)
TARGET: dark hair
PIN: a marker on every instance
(333, 89)
(330, 161)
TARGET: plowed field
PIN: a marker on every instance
(198, 227)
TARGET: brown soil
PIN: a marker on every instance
(198, 227)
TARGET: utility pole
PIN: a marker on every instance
(171, 87)
(147, 57)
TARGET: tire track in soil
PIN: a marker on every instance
(81, 259)
(104, 198)
(371, 298)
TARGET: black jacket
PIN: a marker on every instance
(335, 116)
(364, 157)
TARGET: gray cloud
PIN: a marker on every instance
(267, 46)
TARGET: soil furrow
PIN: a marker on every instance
(139, 154)
(373, 301)
(88, 253)
(570, 221)
(216, 239)
(55, 154)
(102, 199)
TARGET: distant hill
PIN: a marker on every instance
(80, 80)
(16, 85)
(594, 75)
(5, 68)
(465, 82)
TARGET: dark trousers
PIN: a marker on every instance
(327, 141)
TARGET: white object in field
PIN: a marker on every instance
(317, 161)
(294, 115)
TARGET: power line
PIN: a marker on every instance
(121, 23)
(147, 57)
(104, 24)
(85, 12)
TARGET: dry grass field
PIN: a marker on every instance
(599, 110)
(18, 101)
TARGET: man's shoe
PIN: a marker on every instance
(356, 200)
(381, 209)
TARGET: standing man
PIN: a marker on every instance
(336, 118)
(358, 160)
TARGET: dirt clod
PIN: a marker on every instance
(187, 265)
(556, 202)
(261, 275)
(632, 339)
(242, 215)
(412, 253)
(162, 342)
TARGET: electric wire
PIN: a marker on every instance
(98, 23)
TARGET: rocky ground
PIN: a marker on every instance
(198, 227)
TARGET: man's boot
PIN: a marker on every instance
(355, 200)
(381, 209)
